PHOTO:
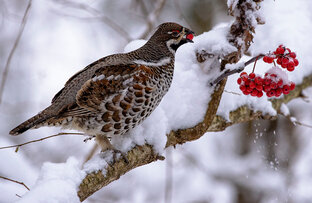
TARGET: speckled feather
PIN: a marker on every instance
(117, 92)
(118, 102)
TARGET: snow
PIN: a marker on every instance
(275, 26)
(291, 30)
(235, 66)
(58, 183)
(232, 3)
(281, 74)
(99, 162)
(190, 90)
(212, 168)
(293, 120)
(10, 159)
(214, 42)
(284, 110)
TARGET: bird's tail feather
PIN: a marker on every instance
(30, 123)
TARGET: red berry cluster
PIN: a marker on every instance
(250, 84)
(275, 81)
(274, 85)
(271, 84)
(284, 57)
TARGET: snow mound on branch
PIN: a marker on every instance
(263, 44)
(56, 183)
(185, 104)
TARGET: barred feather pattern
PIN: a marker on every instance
(117, 92)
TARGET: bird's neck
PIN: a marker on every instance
(153, 52)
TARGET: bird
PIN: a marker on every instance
(114, 94)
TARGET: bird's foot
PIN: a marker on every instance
(123, 155)
(89, 138)
(117, 155)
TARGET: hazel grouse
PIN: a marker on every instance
(114, 94)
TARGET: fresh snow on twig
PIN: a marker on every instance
(293, 120)
(284, 110)
(214, 156)
(56, 183)
(186, 102)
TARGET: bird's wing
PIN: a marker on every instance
(110, 84)
(82, 76)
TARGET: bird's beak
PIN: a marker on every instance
(189, 35)
(186, 35)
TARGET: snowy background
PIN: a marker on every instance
(261, 161)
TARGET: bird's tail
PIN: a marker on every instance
(30, 123)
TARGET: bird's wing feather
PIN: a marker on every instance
(81, 75)
(108, 82)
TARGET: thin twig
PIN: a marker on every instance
(38, 140)
(152, 17)
(15, 181)
(254, 67)
(99, 15)
(301, 124)
(260, 56)
(227, 73)
(8, 62)
(230, 92)
(91, 153)
(143, 8)
(178, 7)
(295, 122)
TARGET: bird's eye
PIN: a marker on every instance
(175, 33)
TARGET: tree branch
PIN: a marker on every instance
(38, 140)
(238, 69)
(151, 17)
(240, 35)
(8, 62)
(15, 181)
(138, 156)
(98, 15)
(141, 155)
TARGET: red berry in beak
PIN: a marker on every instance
(190, 37)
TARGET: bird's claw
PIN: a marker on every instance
(115, 157)
(122, 154)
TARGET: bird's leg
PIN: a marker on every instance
(105, 145)
(89, 138)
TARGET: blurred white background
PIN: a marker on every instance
(260, 161)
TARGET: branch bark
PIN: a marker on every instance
(240, 35)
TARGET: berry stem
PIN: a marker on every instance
(260, 56)
(254, 67)
(227, 73)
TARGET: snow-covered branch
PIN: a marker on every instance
(141, 155)
(245, 113)
(240, 36)
(191, 108)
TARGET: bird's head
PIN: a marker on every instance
(173, 35)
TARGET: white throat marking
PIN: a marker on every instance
(163, 61)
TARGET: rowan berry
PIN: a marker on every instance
(292, 55)
(239, 81)
(252, 75)
(292, 86)
(280, 50)
(274, 82)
